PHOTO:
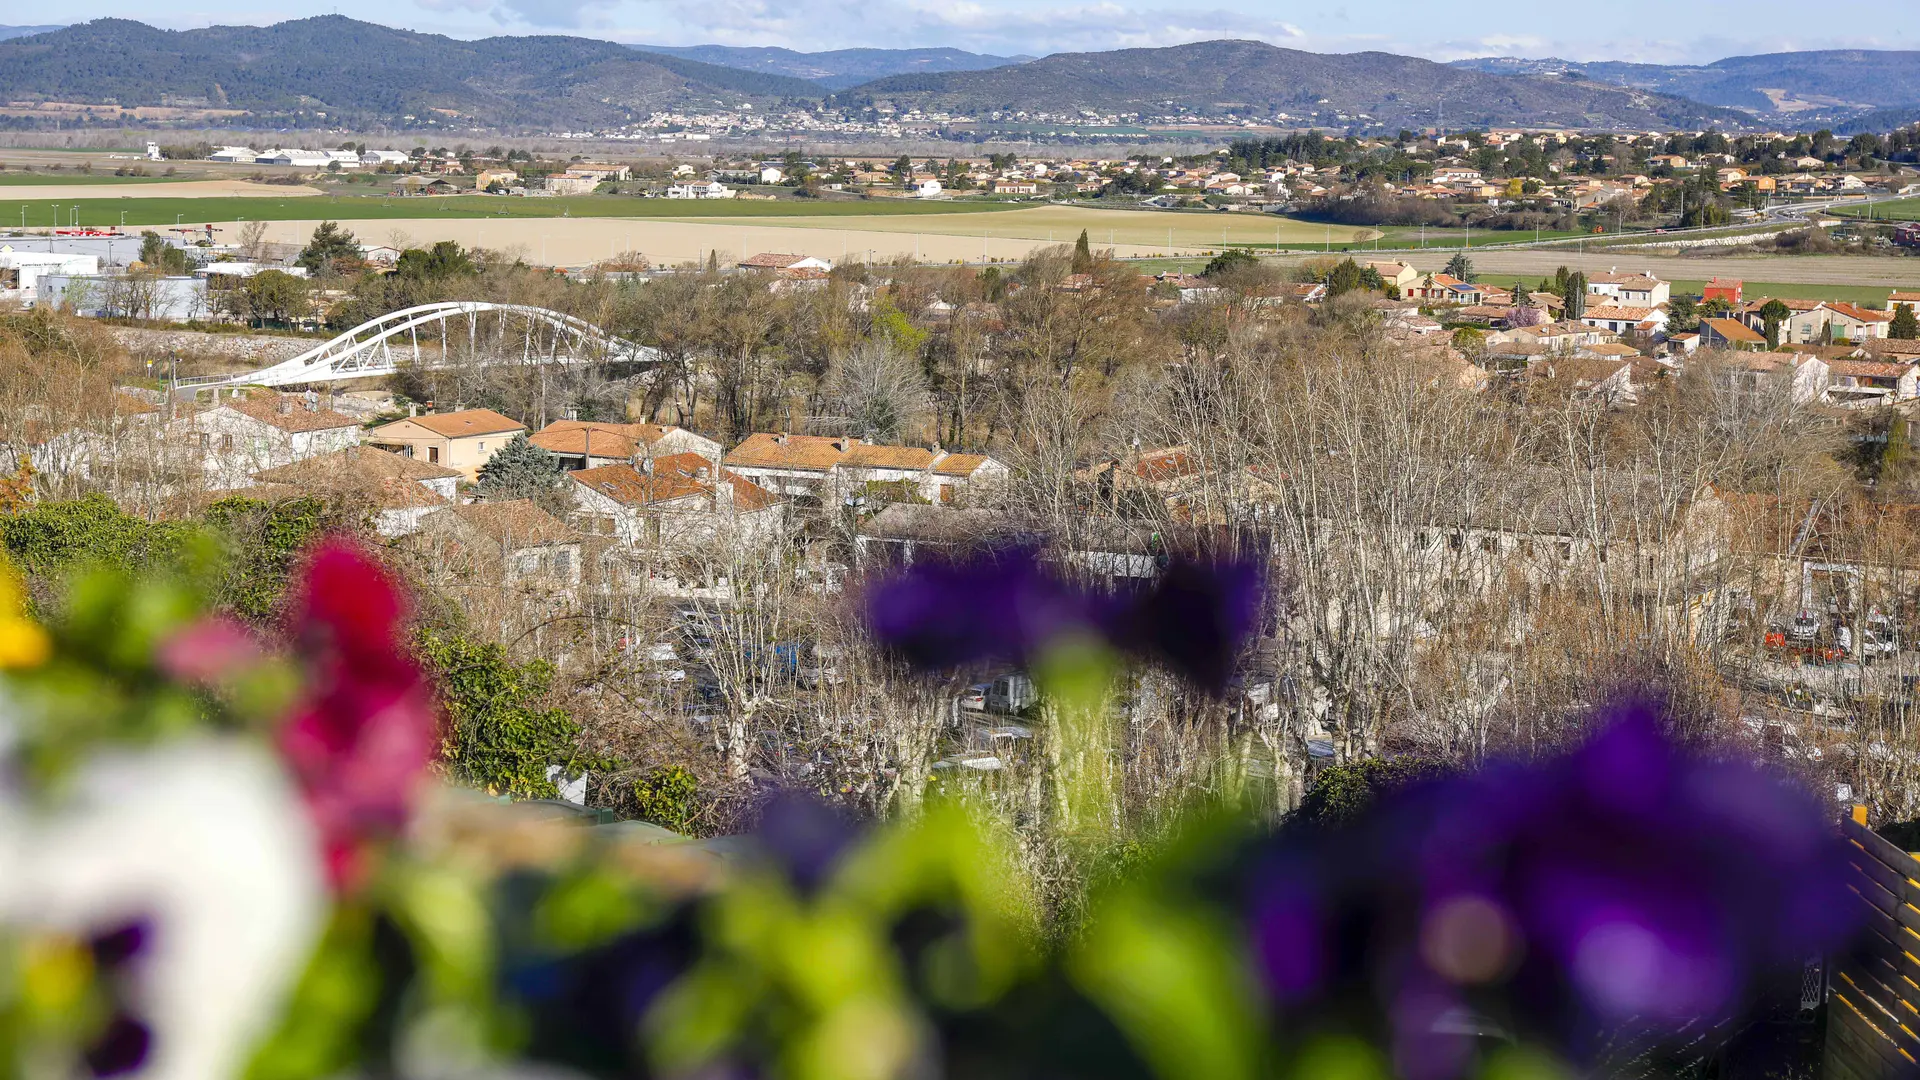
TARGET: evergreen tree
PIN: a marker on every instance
(330, 248)
(1082, 254)
(1904, 326)
(160, 256)
(1576, 295)
(1522, 296)
(1460, 267)
(519, 470)
(1772, 314)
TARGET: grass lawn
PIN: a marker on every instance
(1898, 210)
(165, 211)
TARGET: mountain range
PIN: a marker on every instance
(338, 72)
(1217, 77)
(839, 68)
(1801, 86)
(346, 71)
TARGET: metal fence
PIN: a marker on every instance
(1873, 1005)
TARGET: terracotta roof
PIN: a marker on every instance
(467, 422)
(1724, 283)
(1855, 311)
(772, 260)
(1754, 305)
(675, 476)
(296, 417)
(869, 456)
(814, 453)
(1871, 369)
(355, 464)
(629, 486)
(516, 523)
(1894, 346)
(1613, 348)
(640, 433)
(1632, 281)
(960, 464)
(1906, 297)
(586, 442)
(1619, 314)
(1733, 330)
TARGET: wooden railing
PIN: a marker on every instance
(1873, 1002)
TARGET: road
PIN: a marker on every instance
(1868, 270)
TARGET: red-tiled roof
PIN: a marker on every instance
(813, 453)
(455, 425)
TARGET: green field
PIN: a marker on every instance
(1898, 210)
(11, 178)
(1864, 295)
(165, 211)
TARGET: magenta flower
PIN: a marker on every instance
(360, 741)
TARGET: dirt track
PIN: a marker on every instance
(184, 189)
(585, 241)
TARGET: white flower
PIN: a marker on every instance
(205, 840)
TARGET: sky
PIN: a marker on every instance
(1652, 31)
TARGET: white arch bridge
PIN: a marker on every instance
(455, 334)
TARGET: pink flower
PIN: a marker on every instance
(360, 740)
(208, 651)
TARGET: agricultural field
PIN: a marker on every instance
(195, 208)
(1163, 231)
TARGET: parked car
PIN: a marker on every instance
(1011, 693)
(975, 697)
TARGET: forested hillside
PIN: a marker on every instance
(355, 71)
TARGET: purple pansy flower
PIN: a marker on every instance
(1629, 885)
(1009, 605)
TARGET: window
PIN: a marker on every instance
(407, 450)
(563, 562)
(1456, 541)
(433, 454)
(483, 446)
(1490, 544)
(226, 442)
(1566, 551)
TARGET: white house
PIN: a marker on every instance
(240, 436)
(374, 158)
(1630, 290)
(401, 490)
(927, 189)
(678, 502)
(771, 175)
(712, 189)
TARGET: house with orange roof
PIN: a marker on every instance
(1903, 299)
(586, 444)
(462, 441)
(837, 467)
(1871, 382)
(1625, 320)
(1730, 334)
(676, 502)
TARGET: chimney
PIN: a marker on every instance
(573, 412)
(286, 405)
(780, 439)
(413, 409)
